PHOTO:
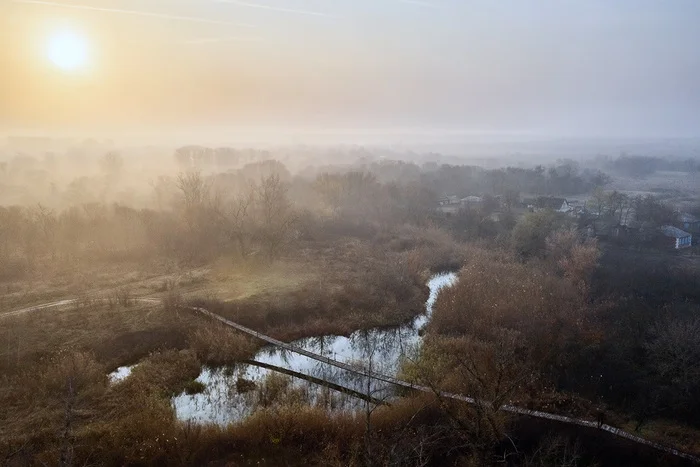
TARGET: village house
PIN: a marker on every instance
(689, 223)
(548, 203)
(471, 201)
(449, 204)
(448, 200)
(676, 237)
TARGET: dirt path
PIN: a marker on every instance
(62, 303)
(43, 306)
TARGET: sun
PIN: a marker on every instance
(68, 51)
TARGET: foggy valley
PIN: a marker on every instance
(387, 233)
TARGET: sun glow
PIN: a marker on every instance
(68, 51)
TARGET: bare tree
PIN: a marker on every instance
(674, 354)
(194, 157)
(574, 257)
(198, 209)
(236, 217)
(11, 220)
(352, 193)
(372, 347)
(276, 215)
(47, 225)
(67, 448)
(193, 189)
(555, 450)
(164, 192)
(492, 372)
(599, 201)
(77, 381)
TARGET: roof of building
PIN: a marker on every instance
(549, 202)
(674, 232)
(472, 199)
(689, 218)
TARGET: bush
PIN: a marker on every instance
(217, 345)
(531, 231)
(194, 387)
(172, 300)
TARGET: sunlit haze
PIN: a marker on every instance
(67, 50)
(350, 232)
(574, 68)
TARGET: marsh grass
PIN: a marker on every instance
(217, 345)
(172, 298)
(354, 284)
(133, 423)
(378, 291)
(116, 335)
(194, 387)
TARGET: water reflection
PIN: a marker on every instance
(120, 374)
(226, 399)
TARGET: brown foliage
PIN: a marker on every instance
(46, 406)
(496, 291)
(217, 345)
(574, 258)
(363, 287)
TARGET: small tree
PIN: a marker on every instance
(193, 189)
(674, 355)
(530, 233)
(651, 210)
(275, 214)
(236, 217)
(575, 258)
(198, 208)
(47, 226)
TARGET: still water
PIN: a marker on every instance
(225, 399)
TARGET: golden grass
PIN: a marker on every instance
(116, 334)
(53, 282)
(331, 288)
(241, 281)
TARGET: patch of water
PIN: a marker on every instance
(378, 350)
(120, 374)
(229, 395)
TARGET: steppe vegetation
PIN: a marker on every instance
(541, 316)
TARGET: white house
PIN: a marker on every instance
(449, 204)
(448, 200)
(680, 238)
(549, 203)
(471, 201)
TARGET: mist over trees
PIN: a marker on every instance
(547, 314)
(641, 166)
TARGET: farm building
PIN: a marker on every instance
(679, 238)
(690, 223)
(544, 203)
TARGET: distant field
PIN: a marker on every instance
(680, 188)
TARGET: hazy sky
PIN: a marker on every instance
(565, 67)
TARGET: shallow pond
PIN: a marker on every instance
(231, 394)
(120, 374)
